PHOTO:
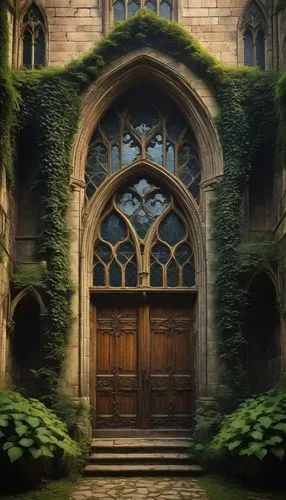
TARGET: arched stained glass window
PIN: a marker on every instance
(34, 40)
(124, 9)
(143, 228)
(254, 29)
(143, 124)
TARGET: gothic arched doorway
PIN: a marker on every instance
(143, 293)
(262, 335)
(26, 344)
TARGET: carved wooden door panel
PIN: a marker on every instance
(117, 367)
(171, 395)
(143, 364)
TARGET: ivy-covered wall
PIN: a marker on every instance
(47, 122)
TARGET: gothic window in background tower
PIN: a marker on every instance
(34, 38)
(124, 9)
(254, 30)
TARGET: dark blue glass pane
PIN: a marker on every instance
(172, 274)
(155, 149)
(165, 10)
(114, 274)
(27, 49)
(113, 229)
(103, 251)
(133, 7)
(33, 14)
(183, 253)
(150, 5)
(89, 189)
(156, 275)
(161, 253)
(110, 125)
(193, 165)
(260, 50)
(185, 175)
(39, 49)
(131, 149)
(99, 275)
(170, 158)
(131, 274)
(125, 252)
(188, 275)
(248, 49)
(115, 159)
(194, 188)
(143, 119)
(141, 221)
(176, 124)
(118, 11)
(172, 229)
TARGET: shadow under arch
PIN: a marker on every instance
(192, 96)
(262, 333)
(26, 340)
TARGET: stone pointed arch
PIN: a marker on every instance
(29, 290)
(191, 94)
(196, 101)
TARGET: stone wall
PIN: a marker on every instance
(75, 25)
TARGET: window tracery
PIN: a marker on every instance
(143, 221)
(143, 125)
(123, 9)
(254, 29)
(34, 38)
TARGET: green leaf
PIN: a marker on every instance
(43, 438)
(35, 452)
(280, 427)
(257, 435)
(3, 422)
(21, 430)
(46, 452)
(7, 445)
(274, 440)
(278, 452)
(43, 430)
(234, 444)
(265, 422)
(261, 454)
(26, 442)
(15, 453)
(33, 421)
(2, 434)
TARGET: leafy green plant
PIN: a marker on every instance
(29, 429)
(256, 429)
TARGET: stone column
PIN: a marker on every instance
(211, 348)
(71, 369)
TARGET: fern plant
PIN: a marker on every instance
(29, 429)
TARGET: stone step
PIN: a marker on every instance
(194, 470)
(140, 458)
(120, 444)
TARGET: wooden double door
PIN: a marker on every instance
(142, 369)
